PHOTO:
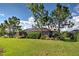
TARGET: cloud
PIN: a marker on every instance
(75, 20)
(73, 14)
(1, 22)
(28, 23)
(2, 15)
(31, 20)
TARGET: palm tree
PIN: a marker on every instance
(12, 25)
(8, 25)
(16, 27)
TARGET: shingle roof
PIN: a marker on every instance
(37, 29)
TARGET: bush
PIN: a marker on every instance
(73, 36)
(5, 36)
(65, 35)
(23, 34)
(44, 37)
(69, 36)
(77, 36)
(57, 36)
(34, 35)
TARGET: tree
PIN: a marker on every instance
(57, 18)
(7, 25)
(61, 14)
(2, 29)
(40, 14)
(16, 27)
(12, 25)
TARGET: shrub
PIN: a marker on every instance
(5, 36)
(34, 35)
(23, 34)
(77, 36)
(65, 35)
(73, 36)
(57, 36)
(44, 37)
(70, 36)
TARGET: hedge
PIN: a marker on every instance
(34, 35)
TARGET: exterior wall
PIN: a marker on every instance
(45, 32)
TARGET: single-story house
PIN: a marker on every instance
(44, 31)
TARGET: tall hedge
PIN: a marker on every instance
(71, 36)
(34, 35)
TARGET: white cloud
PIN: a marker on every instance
(31, 20)
(74, 14)
(2, 14)
(28, 23)
(75, 20)
(1, 21)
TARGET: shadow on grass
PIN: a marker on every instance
(69, 40)
(1, 51)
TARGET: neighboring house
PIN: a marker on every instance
(44, 31)
(74, 31)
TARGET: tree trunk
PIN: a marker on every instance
(59, 27)
(40, 30)
(9, 31)
(59, 34)
(17, 33)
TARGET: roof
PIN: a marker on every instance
(75, 31)
(37, 29)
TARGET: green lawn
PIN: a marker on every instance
(32, 47)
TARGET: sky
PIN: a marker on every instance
(18, 10)
(21, 11)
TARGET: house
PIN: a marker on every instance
(44, 31)
(74, 31)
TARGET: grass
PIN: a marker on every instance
(32, 47)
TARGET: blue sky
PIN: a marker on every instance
(21, 11)
(18, 10)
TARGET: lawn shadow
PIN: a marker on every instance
(69, 40)
(1, 51)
